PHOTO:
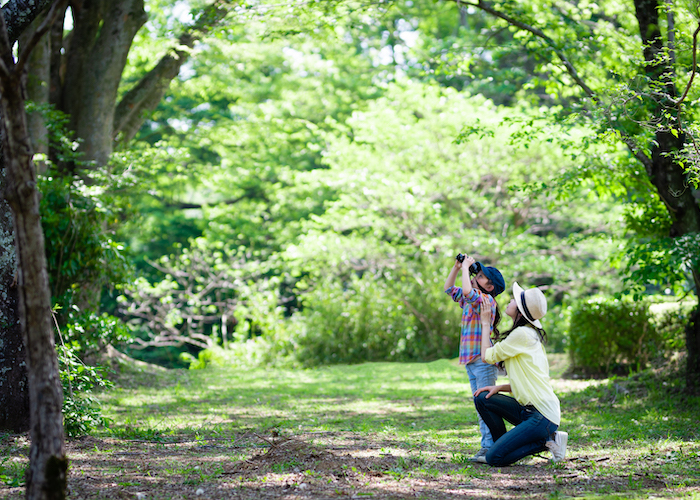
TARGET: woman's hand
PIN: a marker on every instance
(492, 389)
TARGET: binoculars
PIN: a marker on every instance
(474, 268)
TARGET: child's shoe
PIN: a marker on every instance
(480, 456)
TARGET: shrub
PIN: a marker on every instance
(670, 320)
(205, 357)
(88, 333)
(370, 319)
(81, 411)
(608, 334)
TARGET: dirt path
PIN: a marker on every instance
(316, 466)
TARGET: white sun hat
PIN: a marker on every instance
(531, 302)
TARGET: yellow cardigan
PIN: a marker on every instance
(528, 371)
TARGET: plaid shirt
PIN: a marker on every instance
(473, 305)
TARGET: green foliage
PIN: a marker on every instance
(332, 177)
(389, 316)
(81, 410)
(208, 293)
(78, 216)
(608, 334)
(364, 261)
(670, 319)
(205, 358)
(663, 262)
(418, 199)
(80, 252)
(12, 474)
(88, 333)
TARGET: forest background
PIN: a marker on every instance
(294, 193)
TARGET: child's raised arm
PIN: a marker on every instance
(452, 277)
(466, 281)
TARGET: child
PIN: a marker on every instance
(479, 314)
(534, 408)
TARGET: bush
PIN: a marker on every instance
(81, 411)
(670, 320)
(89, 333)
(608, 335)
(374, 319)
(205, 358)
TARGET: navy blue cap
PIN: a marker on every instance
(496, 278)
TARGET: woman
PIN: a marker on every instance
(534, 408)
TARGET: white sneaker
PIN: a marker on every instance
(558, 446)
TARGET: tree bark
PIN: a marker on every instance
(14, 383)
(14, 390)
(48, 465)
(19, 14)
(103, 31)
(665, 173)
(37, 87)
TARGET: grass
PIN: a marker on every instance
(376, 430)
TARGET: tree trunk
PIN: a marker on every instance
(96, 55)
(692, 342)
(37, 87)
(14, 390)
(663, 170)
(46, 476)
(14, 384)
(48, 465)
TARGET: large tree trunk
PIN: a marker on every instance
(96, 55)
(14, 384)
(14, 389)
(48, 465)
(37, 88)
(692, 342)
(46, 476)
(663, 170)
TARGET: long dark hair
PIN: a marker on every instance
(496, 321)
(518, 322)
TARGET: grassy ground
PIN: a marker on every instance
(380, 430)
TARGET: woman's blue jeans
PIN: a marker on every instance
(532, 430)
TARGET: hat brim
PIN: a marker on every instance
(517, 295)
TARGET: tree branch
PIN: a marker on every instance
(149, 91)
(628, 141)
(57, 8)
(19, 14)
(692, 75)
(539, 34)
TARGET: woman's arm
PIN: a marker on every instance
(493, 389)
(485, 326)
